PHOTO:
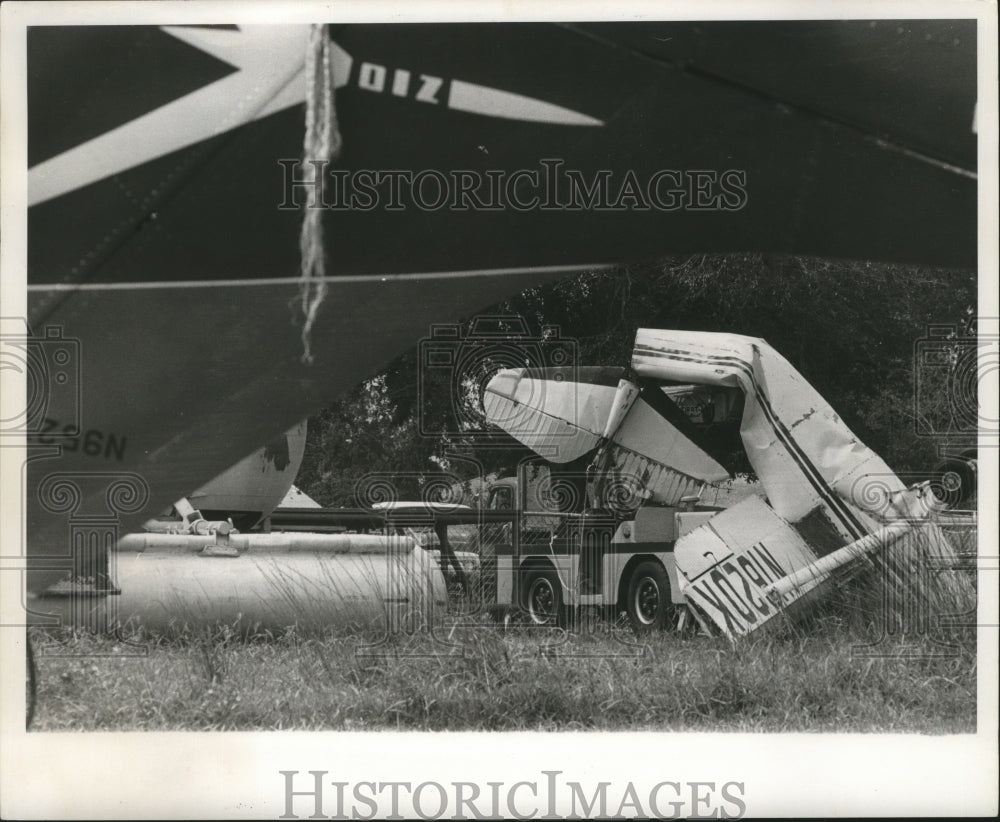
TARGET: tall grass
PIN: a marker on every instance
(911, 591)
(871, 658)
(518, 680)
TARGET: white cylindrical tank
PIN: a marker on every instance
(270, 581)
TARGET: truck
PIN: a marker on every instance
(546, 563)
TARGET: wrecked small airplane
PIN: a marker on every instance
(642, 446)
(829, 502)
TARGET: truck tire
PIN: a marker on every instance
(542, 597)
(648, 605)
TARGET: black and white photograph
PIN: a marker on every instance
(483, 411)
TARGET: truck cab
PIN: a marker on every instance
(559, 554)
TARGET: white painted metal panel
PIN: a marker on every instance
(727, 564)
(799, 447)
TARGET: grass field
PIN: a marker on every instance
(507, 681)
(833, 674)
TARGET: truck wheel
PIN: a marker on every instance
(542, 597)
(648, 605)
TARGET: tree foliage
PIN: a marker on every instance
(852, 328)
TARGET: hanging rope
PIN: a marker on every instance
(322, 142)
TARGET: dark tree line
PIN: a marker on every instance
(853, 329)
